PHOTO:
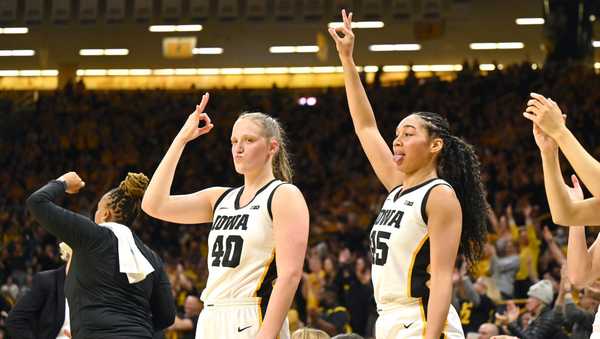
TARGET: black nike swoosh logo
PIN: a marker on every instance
(407, 326)
(245, 328)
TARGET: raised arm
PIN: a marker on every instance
(290, 229)
(555, 251)
(74, 229)
(192, 208)
(546, 114)
(579, 270)
(465, 288)
(565, 211)
(378, 151)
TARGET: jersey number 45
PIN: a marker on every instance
(379, 248)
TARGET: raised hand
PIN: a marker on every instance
(546, 144)
(509, 211)
(512, 311)
(565, 284)
(527, 210)
(455, 276)
(489, 250)
(190, 129)
(547, 234)
(546, 114)
(575, 192)
(344, 256)
(501, 318)
(73, 182)
(345, 43)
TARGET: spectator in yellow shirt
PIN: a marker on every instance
(529, 251)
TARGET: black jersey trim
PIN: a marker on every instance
(424, 202)
(239, 195)
(417, 274)
(221, 198)
(411, 189)
(270, 201)
(395, 188)
(265, 287)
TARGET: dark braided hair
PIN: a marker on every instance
(459, 165)
(125, 200)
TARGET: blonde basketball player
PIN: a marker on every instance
(434, 210)
(259, 231)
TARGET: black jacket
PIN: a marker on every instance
(546, 326)
(102, 303)
(579, 320)
(40, 314)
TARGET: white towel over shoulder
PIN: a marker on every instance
(131, 260)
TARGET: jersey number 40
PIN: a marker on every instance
(227, 253)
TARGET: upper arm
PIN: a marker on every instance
(445, 225)
(583, 213)
(471, 293)
(74, 229)
(290, 228)
(194, 208)
(380, 156)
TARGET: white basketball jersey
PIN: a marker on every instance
(400, 246)
(241, 247)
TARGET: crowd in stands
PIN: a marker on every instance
(104, 134)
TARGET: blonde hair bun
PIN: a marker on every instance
(134, 185)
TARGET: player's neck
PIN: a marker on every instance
(254, 181)
(419, 176)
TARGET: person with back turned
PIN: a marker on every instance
(116, 287)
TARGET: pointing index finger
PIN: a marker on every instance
(204, 102)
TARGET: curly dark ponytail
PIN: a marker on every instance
(459, 165)
(125, 200)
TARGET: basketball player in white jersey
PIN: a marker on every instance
(434, 210)
(567, 205)
(259, 231)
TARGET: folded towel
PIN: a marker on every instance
(131, 260)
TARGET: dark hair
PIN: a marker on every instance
(125, 200)
(459, 165)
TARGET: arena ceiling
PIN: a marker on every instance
(70, 36)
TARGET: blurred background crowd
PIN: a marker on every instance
(105, 134)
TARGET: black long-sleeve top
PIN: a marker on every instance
(102, 303)
(546, 325)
